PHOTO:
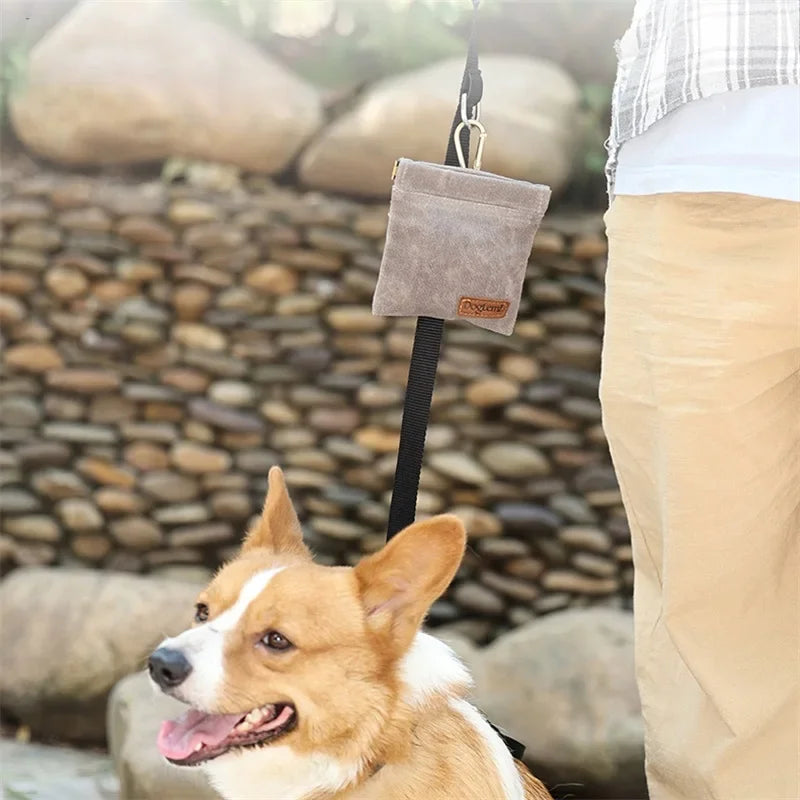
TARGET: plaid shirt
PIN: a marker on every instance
(676, 51)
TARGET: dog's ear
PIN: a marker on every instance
(278, 528)
(399, 583)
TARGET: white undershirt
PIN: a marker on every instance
(746, 142)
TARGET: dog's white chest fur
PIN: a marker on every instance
(277, 773)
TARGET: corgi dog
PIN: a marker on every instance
(308, 682)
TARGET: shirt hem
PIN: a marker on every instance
(757, 183)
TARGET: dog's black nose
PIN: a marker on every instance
(168, 668)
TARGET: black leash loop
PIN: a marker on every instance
(429, 332)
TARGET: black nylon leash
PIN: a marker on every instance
(429, 333)
(427, 347)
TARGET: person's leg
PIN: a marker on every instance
(701, 405)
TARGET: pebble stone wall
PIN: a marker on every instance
(164, 345)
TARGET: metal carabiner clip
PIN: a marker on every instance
(476, 111)
(472, 123)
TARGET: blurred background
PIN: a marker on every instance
(194, 199)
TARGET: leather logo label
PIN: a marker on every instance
(482, 307)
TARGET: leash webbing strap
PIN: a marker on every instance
(428, 334)
(427, 346)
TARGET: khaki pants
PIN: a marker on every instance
(701, 405)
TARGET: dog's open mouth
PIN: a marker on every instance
(195, 736)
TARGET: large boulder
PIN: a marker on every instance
(530, 111)
(39, 772)
(68, 636)
(135, 713)
(565, 685)
(126, 82)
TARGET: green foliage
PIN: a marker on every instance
(13, 69)
(597, 106)
(343, 43)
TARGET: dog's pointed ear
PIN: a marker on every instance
(278, 528)
(399, 583)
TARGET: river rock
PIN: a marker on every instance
(514, 460)
(459, 466)
(135, 713)
(492, 391)
(33, 357)
(478, 522)
(576, 670)
(42, 772)
(137, 533)
(79, 515)
(531, 101)
(36, 527)
(196, 458)
(19, 412)
(478, 599)
(78, 615)
(90, 86)
(56, 484)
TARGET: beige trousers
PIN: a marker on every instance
(701, 404)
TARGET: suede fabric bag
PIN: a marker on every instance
(457, 244)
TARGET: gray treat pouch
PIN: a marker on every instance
(457, 244)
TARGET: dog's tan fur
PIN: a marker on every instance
(350, 628)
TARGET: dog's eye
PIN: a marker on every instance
(201, 612)
(276, 641)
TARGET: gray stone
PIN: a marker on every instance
(36, 454)
(338, 528)
(583, 408)
(586, 538)
(596, 478)
(199, 535)
(39, 772)
(170, 487)
(575, 509)
(459, 466)
(477, 598)
(515, 588)
(56, 484)
(135, 714)
(514, 460)
(137, 533)
(79, 433)
(478, 522)
(58, 406)
(576, 670)
(502, 547)
(561, 580)
(181, 514)
(79, 515)
(231, 393)
(17, 501)
(230, 505)
(256, 461)
(224, 417)
(55, 117)
(595, 565)
(19, 411)
(346, 496)
(78, 614)
(36, 527)
(161, 432)
(533, 101)
(527, 517)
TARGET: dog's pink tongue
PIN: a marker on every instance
(178, 738)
